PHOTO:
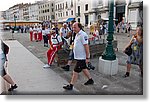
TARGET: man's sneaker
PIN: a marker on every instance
(126, 75)
(12, 87)
(89, 82)
(46, 66)
(66, 68)
(68, 87)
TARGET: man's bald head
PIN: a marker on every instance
(77, 27)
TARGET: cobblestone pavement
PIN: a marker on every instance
(115, 84)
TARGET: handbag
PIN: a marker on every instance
(128, 50)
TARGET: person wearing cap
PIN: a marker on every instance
(64, 32)
(55, 42)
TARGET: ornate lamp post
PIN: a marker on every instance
(109, 54)
(108, 63)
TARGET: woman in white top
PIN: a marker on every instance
(96, 34)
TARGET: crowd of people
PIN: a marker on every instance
(124, 28)
(74, 38)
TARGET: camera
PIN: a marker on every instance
(90, 66)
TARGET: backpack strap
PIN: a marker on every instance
(56, 38)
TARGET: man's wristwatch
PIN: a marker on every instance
(87, 58)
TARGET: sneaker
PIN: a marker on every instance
(46, 66)
(66, 68)
(68, 87)
(127, 74)
(12, 87)
(89, 82)
(45, 45)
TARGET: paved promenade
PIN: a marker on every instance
(26, 60)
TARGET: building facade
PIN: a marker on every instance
(33, 11)
(46, 10)
(86, 12)
(64, 9)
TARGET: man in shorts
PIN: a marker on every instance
(81, 55)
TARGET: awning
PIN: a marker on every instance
(69, 19)
(61, 20)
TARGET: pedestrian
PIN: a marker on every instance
(71, 54)
(22, 29)
(82, 56)
(31, 33)
(39, 30)
(55, 45)
(3, 63)
(136, 57)
(46, 35)
(35, 32)
(96, 34)
(56, 28)
(64, 32)
(129, 29)
(118, 28)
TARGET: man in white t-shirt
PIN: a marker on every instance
(81, 54)
(64, 30)
(64, 33)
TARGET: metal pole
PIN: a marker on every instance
(109, 54)
(15, 22)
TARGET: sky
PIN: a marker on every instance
(5, 4)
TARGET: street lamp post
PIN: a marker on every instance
(109, 54)
(15, 23)
(108, 63)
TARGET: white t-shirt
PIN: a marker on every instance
(96, 32)
(80, 40)
(64, 31)
(34, 30)
(47, 31)
(39, 30)
(31, 30)
(56, 39)
(43, 32)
